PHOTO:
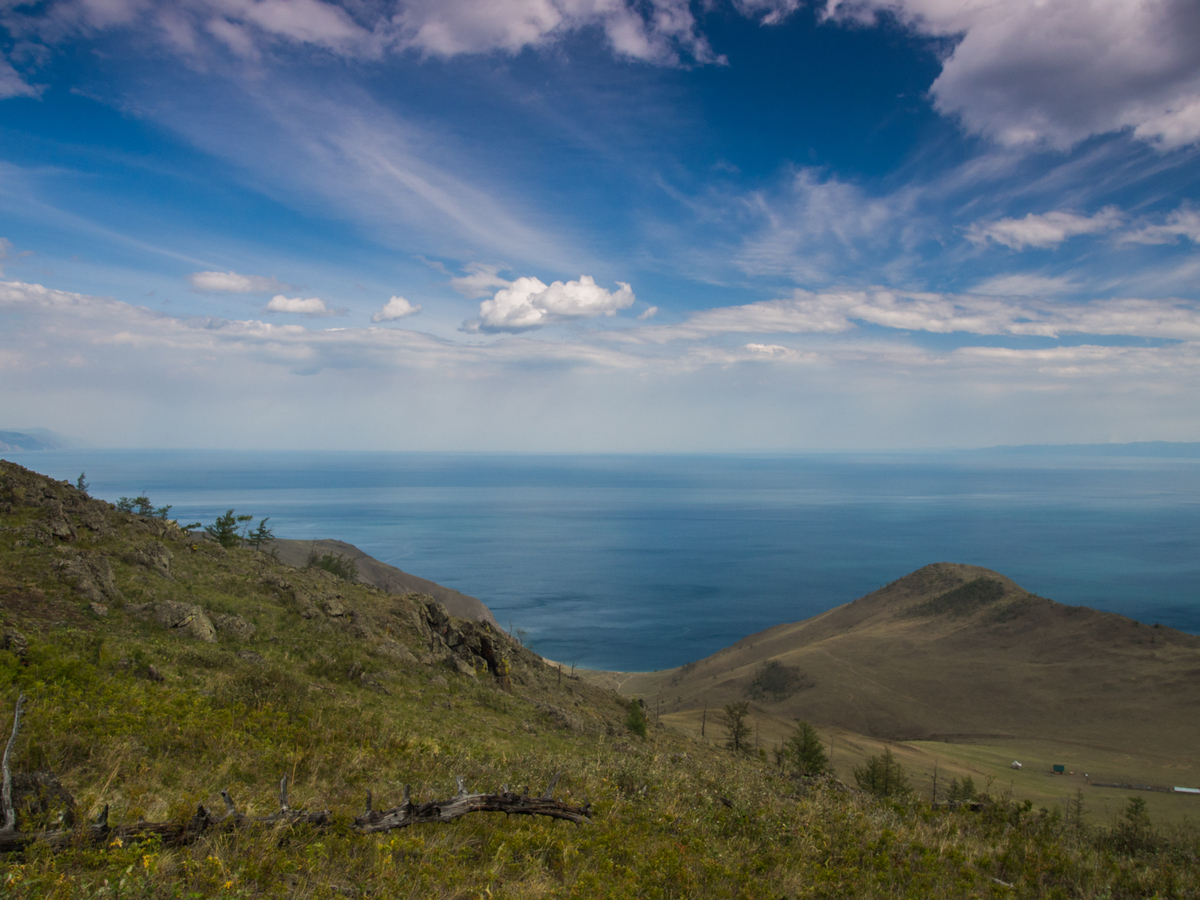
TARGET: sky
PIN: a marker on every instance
(600, 225)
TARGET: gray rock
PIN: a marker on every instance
(233, 626)
(91, 575)
(152, 555)
(98, 609)
(186, 618)
(332, 606)
(395, 650)
(563, 718)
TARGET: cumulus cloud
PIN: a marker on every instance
(235, 283)
(396, 308)
(1027, 71)
(1044, 231)
(528, 303)
(313, 306)
(1182, 223)
(648, 313)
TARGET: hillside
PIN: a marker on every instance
(159, 670)
(959, 650)
(383, 576)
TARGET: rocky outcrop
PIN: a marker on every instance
(152, 555)
(234, 627)
(90, 574)
(187, 619)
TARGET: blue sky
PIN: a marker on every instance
(600, 225)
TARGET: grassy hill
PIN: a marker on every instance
(955, 654)
(159, 669)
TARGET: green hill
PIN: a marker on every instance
(159, 670)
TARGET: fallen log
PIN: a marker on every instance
(462, 803)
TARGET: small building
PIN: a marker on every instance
(1060, 770)
(1017, 765)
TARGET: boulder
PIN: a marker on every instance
(187, 619)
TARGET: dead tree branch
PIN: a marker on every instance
(402, 816)
(10, 813)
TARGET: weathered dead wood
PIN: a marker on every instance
(402, 816)
(462, 803)
(6, 799)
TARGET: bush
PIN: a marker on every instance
(636, 720)
(225, 529)
(775, 681)
(335, 564)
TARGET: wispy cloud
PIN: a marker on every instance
(1045, 231)
(234, 283)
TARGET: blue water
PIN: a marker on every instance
(647, 562)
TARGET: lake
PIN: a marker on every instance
(647, 562)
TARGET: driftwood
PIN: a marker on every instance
(203, 821)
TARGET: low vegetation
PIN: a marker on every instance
(160, 668)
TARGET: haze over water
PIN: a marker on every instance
(647, 562)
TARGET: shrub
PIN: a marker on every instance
(335, 564)
(636, 720)
(775, 681)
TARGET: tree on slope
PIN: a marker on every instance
(737, 729)
(883, 776)
(805, 751)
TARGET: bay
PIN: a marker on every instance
(647, 562)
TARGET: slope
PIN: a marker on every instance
(960, 650)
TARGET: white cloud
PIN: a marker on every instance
(658, 31)
(479, 280)
(648, 313)
(1183, 222)
(74, 358)
(452, 27)
(1024, 285)
(528, 303)
(832, 312)
(313, 306)
(13, 85)
(396, 308)
(235, 283)
(768, 12)
(1028, 70)
(1043, 231)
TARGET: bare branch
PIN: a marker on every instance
(10, 813)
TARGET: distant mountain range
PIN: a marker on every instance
(31, 439)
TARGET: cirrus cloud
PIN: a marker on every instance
(1044, 231)
(234, 283)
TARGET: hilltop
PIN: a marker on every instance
(959, 650)
(160, 669)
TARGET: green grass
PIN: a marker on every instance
(329, 707)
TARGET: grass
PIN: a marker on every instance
(324, 702)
